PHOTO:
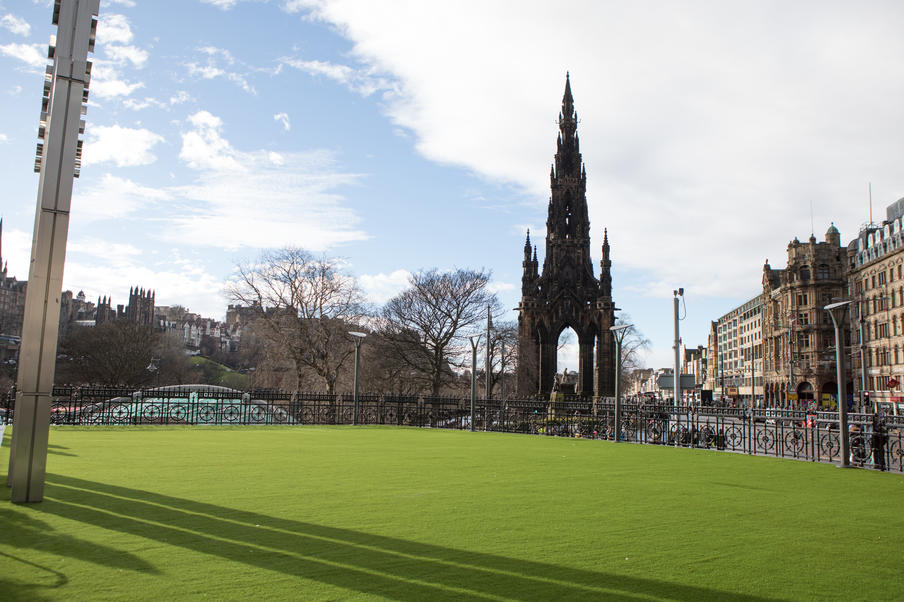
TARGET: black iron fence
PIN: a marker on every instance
(876, 442)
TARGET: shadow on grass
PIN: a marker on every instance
(16, 590)
(357, 561)
(23, 531)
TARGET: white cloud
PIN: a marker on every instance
(278, 198)
(704, 144)
(283, 118)
(137, 105)
(106, 81)
(204, 148)
(221, 4)
(113, 29)
(113, 36)
(361, 81)
(16, 25)
(17, 251)
(3, 138)
(33, 55)
(498, 287)
(212, 68)
(114, 198)
(123, 146)
(121, 54)
(381, 287)
(179, 97)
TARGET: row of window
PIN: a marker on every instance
(879, 279)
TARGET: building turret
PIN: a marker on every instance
(833, 236)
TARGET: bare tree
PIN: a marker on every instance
(633, 346)
(503, 353)
(304, 306)
(427, 324)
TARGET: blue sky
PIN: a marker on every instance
(414, 135)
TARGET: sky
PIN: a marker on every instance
(409, 135)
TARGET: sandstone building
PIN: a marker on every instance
(876, 287)
(798, 336)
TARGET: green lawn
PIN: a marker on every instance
(161, 513)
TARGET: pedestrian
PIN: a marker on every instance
(877, 441)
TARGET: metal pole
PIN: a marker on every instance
(721, 369)
(359, 338)
(752, 378)
(473, 377)
(502, 388)
(618, 343)
(843, 433)
(677, 376)
(790, 361)
(357, 362)
(58, 161)
(502, 374)
(487, 362)
(676, 383)
(863, 386)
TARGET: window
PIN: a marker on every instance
(803, 318)
(802, 299)
(822, 272)
(882, 277)
(883, 330)
(804, 274)
(803, 340)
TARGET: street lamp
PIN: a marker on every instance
(475, 340)
(619, 331)
(359, 338)
(154, 369)
(839, 378)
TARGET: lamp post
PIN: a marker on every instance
(619, 331)
(154, 369)
(359, 338)
(839, 377)
(475, 340)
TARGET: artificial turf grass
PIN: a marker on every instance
(332, 512)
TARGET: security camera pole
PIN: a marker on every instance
(58, 161)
